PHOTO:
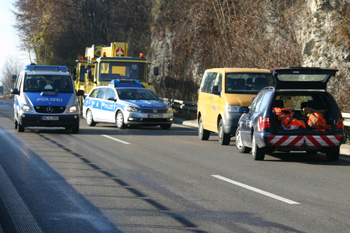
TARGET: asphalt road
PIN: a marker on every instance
(151, 180)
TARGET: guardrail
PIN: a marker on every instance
(192, 106)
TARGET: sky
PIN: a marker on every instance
(9, 39)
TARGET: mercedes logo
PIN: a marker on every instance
(49, 109)
(154, 110)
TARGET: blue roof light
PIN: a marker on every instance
(48, 68)
(125, 83)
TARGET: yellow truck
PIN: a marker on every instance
(113, 63)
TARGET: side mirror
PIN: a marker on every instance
(15, 91)
(243, 109)
(215, 90)
(156, 71)
(111, 99)
(80, 93)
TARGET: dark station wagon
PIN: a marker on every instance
(296, 114)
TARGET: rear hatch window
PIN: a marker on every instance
(302, 78)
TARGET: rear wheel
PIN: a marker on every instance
(239, 143)
(258, 153)
(332, 153)
(202, 133)
(90, 119)
(224, 138)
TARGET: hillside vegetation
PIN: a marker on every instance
(185, 37)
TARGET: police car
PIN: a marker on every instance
(44, 96)
(126, 103)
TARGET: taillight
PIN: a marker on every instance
(340, 124)
(263, 122)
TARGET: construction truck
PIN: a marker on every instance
(81, 80)
(113, 63)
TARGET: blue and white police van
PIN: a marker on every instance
(126, 103)
(45, 96)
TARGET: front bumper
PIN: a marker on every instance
(231, 122)
(136, 118)
(52, 120)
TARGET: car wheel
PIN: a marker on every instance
(239, 143)
(20, 128)
(224, 138)
(165, 126)
(258, 153)
(16, 124)
(332, 153)
(89, 118)
(202, 133)
(119, 120)
(75, 129)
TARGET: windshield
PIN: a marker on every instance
(42, 82)
(122, 70)
(136, 94)
(247, 82)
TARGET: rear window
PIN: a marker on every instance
(247, 82)
(303, 77)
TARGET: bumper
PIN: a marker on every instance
(231, 123)
(133, 118)
(58, 120)
(298, 142)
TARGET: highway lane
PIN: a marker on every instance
(150, 180)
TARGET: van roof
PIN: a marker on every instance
(239, 70)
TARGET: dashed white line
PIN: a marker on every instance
(257, 190)
(117, 140)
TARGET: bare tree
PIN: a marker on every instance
(10, 68)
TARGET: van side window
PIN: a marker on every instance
(208, 82)
(219, 83)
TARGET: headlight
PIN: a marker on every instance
(170, 109)
(73, 109)
(133, 109)
(232, 108)
(26, 108)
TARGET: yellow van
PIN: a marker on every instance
(222, 93)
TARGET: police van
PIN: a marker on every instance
(44, 96)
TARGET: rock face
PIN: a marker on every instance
(317, 30)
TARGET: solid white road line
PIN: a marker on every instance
(256, 190)
(117, 140)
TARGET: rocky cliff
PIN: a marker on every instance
(314, 33)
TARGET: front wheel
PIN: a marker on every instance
(165, 126)
(332, 153)
(119, 120)
(20, 128)
(258, 153)
(202, 133)
(224, 138)
(239, 143)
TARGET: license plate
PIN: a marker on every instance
(153, 116)
(50, 118)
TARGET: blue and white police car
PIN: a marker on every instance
(126, 103)
(44, 96)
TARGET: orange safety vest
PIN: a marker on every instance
(317, 121)
(284, 115)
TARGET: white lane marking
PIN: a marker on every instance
(256, 190)
(117, 140)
